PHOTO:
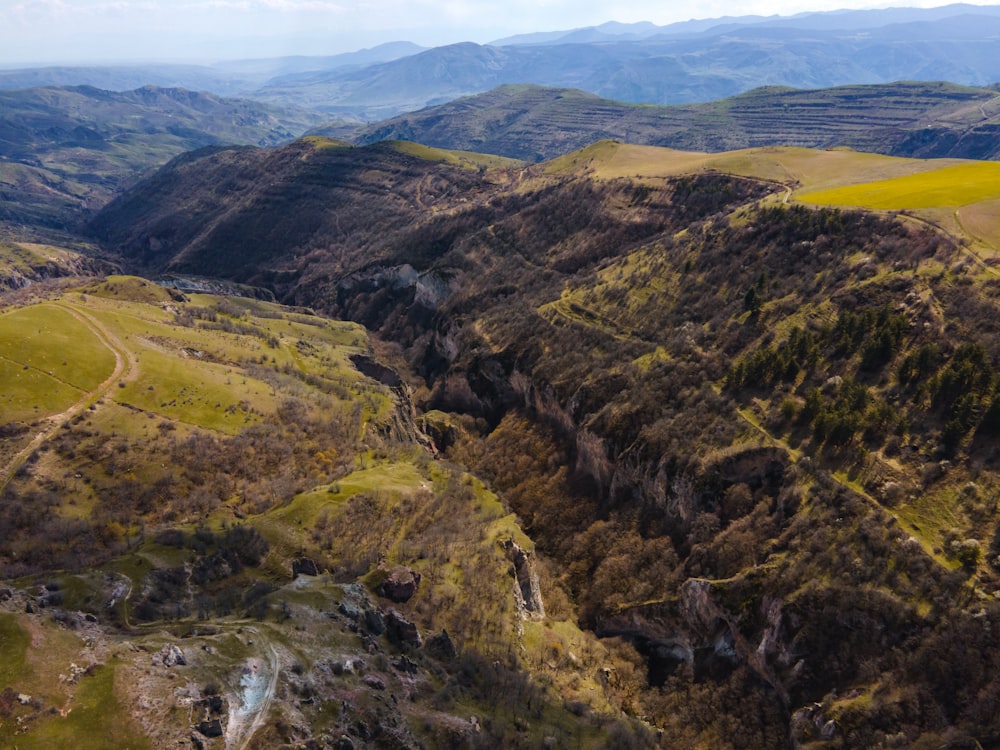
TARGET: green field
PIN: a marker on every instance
(958, 185)
(50, 339)
(209, 395)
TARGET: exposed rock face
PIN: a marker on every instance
(400, 585)
(355, 601)
(374, 622)
(707, 618)
(527, 592)
(170, 656)
(401, 631)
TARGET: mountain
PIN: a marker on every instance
(827, 20)
(224, 78)
(128, 78)
(749, 420)
(535, 123)
(67, 151)
(268, 68)
(694, 61)
(959, 44)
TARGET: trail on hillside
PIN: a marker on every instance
(258, 682)
(124, 368)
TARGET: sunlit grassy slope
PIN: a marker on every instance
(957, 185)
(961, 196)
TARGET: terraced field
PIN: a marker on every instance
(535, 123)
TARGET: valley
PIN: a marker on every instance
(715, 407)
(523, 418)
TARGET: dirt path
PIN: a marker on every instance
(125, 366)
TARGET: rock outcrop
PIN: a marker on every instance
(400, 584)
(527, 591)
(401, 631)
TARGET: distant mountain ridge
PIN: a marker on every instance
(534, 123)
(693, 61)
(826, 20)
(960, 45)
(64, 151)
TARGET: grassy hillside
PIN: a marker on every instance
(170, 460)
(534, 123)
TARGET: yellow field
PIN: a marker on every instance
(960, 196)
(800, 168)
(958, 185)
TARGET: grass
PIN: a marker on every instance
(957, 185)
(27, 394)
(981, 221)
(804, 168)
(97, 720)
(201, 393)
(463, 159)
(394, 478)
(610, 159)
(49, 339)
(130, 288)
(14, 642)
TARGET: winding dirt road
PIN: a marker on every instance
(125, 365)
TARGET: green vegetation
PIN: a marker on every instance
(461, 159)
(98, 719)
(51, 340)
(14, 642)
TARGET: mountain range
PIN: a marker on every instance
(682, 63)
(534, 123)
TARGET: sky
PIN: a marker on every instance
(204, 31)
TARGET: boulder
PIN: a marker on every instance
(400, 584)
(441, 646)
(374, 681)
(405, 665)
(211, 728)
(401, 631)
(374, 622)
(171, 656)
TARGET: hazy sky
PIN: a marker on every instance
(36, 31)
